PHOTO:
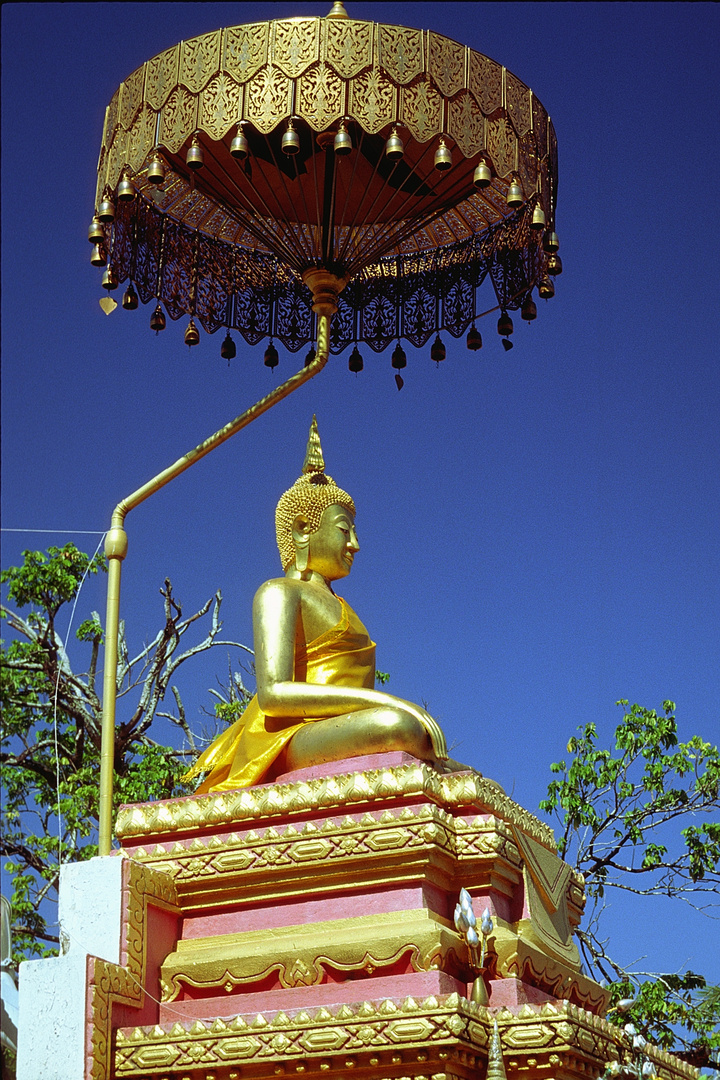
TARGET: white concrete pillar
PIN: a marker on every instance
(51, 1034)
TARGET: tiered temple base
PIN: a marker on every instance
(306, 927)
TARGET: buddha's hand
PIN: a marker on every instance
(432, 727)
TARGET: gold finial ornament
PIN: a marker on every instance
(310, 495)
(496, 1065)
(337, 11)
(314, 461)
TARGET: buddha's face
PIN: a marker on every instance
(333, 545)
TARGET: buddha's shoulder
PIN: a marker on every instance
(279, 590)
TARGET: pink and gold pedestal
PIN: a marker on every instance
(305, 927)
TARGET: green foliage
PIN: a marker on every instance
(631, 818)
(52, 719)
(382, 677)
(670, 1002)
(613, 807)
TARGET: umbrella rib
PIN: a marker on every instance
(261, 234)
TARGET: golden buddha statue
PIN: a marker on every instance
(314, 661)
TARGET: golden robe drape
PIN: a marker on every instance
(242, 755)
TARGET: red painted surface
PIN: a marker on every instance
(295, 912)
(398, 987)
(513, 993)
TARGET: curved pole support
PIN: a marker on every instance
(116, 547)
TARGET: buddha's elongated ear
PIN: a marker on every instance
(301, 538)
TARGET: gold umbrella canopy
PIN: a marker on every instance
(407, 166)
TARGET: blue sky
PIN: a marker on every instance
(539, 529)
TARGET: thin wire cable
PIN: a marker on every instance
(60, 532)
(55, 698)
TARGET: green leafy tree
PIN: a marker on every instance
(643, 818)
(52, 719)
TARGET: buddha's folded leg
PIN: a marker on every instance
(368, 731)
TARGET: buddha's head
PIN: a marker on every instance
(302, 509)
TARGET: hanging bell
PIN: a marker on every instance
(106, 210)
(550, 242)
(394, 148)
(195, 157)
(514, 195)
(437, 350)
(290, 140)
(239, 147)
(505, 325)
(343, 143)
(443, 157)
(546, 289)
(126, 188)
(270, 358)
(355, 363)
(399, 359)
(99, 255)
(96, 233)
(310, 357)
(157, 319)
(227, 349)
(130, 298)
(482, 176)
(528, 311)
(109, 279)
(192, 334)
(554, 265)
(156, 170)
(538, 218)
(474, 339)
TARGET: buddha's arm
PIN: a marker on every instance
(276, 615)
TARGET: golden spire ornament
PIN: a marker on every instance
(496, 1065)
(314, 461)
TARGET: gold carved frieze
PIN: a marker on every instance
(518, 959)
(466, 124)
(422, 110)
(445, 1036)
(111, 120)
(450, 791)
(295, 45)
(246, 50)
(372, 100)
(401, 53)
(116, 158)
(446, 64)
(131, 96)
(502, 146)
(161, 76)
(528, 162)
(320, 96)
(367, 1035)
(220, 106)
(348, 46)
(540, 124)
(517, 101)
(178, 119)
(309, 954)
(268, 99)
(485, 81)
(199, 60)
(141, 138)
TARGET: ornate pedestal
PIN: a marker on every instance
(306, 927)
